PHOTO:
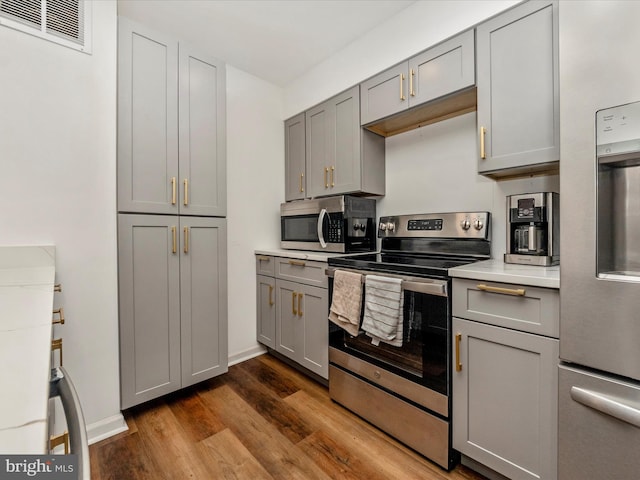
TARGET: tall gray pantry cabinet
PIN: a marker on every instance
(172, 203)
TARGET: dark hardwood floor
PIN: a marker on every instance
(261, 420)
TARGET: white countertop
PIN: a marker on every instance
(26, 303)
(497, 271)
(301, 254)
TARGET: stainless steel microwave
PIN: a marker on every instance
(341, 224)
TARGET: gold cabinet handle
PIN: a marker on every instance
(293, 303)
(60, 313)
(458, 364)
(57, 440)
(271, 302)
(57, 287)
(174, 237)
(56, 344)
(264, 258)
(173, 190)
(300, 295)
(186, 192)
(520, 292)
(411, 75)
(483, 153)
(301, 180)
(332, 170)
(326, 181)
(186, 239)
(297, 263)
(402, 97)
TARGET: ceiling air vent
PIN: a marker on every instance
(67, 22)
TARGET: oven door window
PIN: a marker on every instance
(302, 228)
(423, 355)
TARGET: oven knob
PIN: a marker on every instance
(477, 223)
(383, 227)
(391, 226)
(465, 224)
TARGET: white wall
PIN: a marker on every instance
(58, 150)
(255, 178)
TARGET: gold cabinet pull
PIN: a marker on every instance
(297, 263)
(174, 237)
(293, 303)
(300, 295)
(271, 302)
(301, 180)
(332, 170)
(264, 258)
(56, 344)
(173, 190)
(60, 313)
(458, 364)
(483, 153)
(520, 292)
(186, 192)
(411, 75)
(57, 287)
(402, 97)
(326, 174)
(57, 440)
(186, 239)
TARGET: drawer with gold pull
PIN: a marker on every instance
(303, 271)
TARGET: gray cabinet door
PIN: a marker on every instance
(505, 412)
(294, 157)
(203, 298)
(266, 310)
(289, 325)
(319, 145)
(149, 281)
(384, 94)
(314, 340)
(147, 120)
(202, 127)
(443, 69)
(517, 69)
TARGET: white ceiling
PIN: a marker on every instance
(276, 40)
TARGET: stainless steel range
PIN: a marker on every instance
(402, 382)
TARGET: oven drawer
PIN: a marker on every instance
(302, 271)
(519, 307)
(265, 265)
(414, 427)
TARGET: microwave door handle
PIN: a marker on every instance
(323, 212)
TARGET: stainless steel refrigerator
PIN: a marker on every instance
(599, 376)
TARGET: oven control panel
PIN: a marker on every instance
(438, 225)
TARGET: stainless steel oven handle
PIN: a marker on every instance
(428, 286)
(607, 405)
(323, 212)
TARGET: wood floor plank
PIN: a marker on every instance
(229, 459)
(169, 445)
(124, 459)
(281, 458)
(268, 376)
(195, 418)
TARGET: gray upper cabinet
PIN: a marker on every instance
(202, 127)
(341, 157)
(438, 71)
(147, 120)
(294, 157)
(518, 96)
(173, 303)
(169, 95)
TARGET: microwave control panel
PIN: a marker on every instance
(334, 233)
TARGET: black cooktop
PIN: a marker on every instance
(403, 264)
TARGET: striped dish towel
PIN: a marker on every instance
(383, 305)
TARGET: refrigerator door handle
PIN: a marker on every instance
(61, 386)
(607, 405)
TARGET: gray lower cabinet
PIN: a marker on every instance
(518, 94)
(441, 70)
(173, 303)
(294, 157)
(171, 126)
(341, 157)
(292, 310)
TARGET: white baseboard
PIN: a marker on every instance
(106, 428)
(246, 354)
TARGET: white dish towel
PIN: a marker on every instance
(383, 305)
